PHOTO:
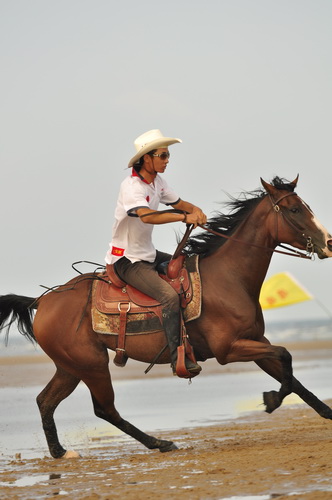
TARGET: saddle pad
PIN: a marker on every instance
(137, 324)
(142, 320)
(193, 309)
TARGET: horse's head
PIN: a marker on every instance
(295, 223)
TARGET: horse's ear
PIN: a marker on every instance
(268, 187)
(294, 183)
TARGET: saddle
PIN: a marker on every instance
(117, 299)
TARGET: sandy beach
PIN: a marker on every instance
(259, 455)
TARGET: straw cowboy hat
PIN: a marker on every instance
(153, 139)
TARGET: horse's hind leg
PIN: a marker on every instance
(103, 401)
(58, 389)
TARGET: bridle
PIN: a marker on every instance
(278, 211)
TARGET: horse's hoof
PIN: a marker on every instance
(167, 446)
(71, 454)
(271, 400)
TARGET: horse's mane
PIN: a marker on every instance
(206, 243)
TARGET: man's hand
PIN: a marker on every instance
(196, 217)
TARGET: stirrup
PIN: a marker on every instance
(181, 369)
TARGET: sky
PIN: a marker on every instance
(246, 85)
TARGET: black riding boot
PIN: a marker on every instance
(172, 325)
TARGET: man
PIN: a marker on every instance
(131, 250)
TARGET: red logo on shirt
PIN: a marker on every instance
(117, 251)
(147, 198)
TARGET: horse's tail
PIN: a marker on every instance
(17, 308)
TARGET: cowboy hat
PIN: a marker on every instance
(153, 139)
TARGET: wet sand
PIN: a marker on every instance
(269, 456)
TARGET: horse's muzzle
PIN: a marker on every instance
(326, 252)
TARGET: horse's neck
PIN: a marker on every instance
(247, 258)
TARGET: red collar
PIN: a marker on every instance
(134, 173)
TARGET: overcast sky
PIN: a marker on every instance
(246, 84)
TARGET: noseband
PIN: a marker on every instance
(278, 210)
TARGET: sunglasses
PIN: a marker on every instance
(163, 156)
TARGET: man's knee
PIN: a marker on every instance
(171, 300)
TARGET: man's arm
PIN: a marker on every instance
(158, 217)
(191, 214)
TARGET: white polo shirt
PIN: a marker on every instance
(131, 237)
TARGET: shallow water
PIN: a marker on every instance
(150, 404)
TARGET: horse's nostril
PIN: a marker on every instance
(329, 244)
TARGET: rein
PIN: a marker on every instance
(296, 253)
(275, 205)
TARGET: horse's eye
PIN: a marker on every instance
(295, 210)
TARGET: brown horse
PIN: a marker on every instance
(234, 257)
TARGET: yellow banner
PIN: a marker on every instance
(282, 290)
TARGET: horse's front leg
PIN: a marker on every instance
(251, 350)
(273, 369)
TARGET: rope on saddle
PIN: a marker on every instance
(155, 359)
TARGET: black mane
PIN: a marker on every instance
(206, 243)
